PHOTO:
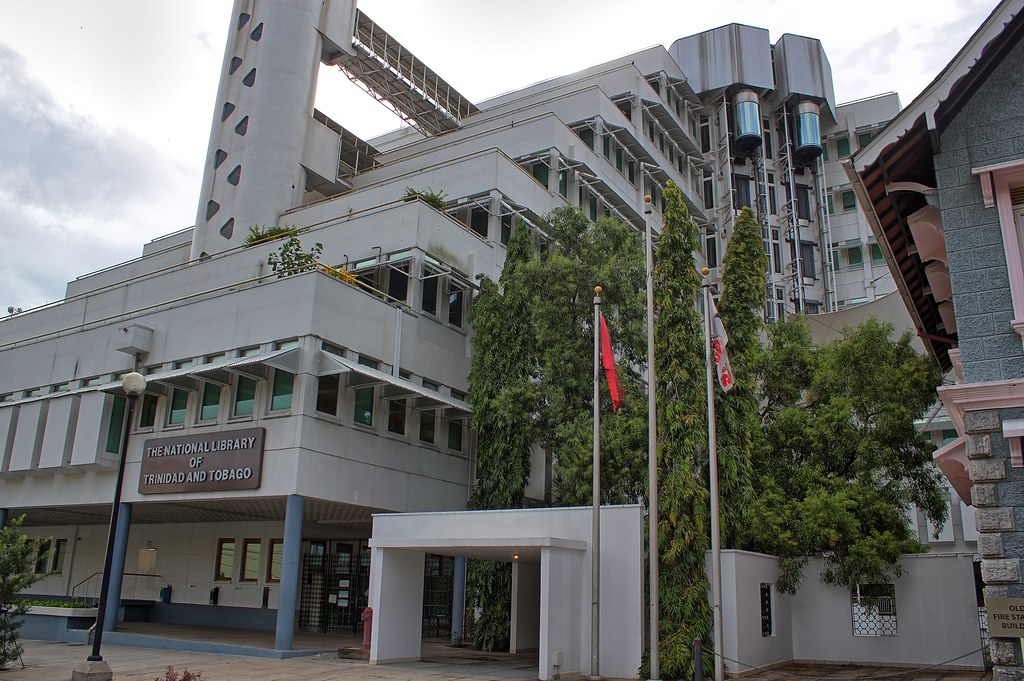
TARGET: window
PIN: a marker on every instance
(766, 127)
(855, 258)
(776, 251)
(398, 280)
(842, 147)
(42, 558)
(773, 205)
(606, 145)
(179, 407)
(807, 262)
(741, 185)
(276, 560)
(831, 205)
(873, 608)
(250, 571)
(705, 134)
(281, 390)
(587, 135)
(428, 418)
(455, 435)
(709, 190)
(803, 202)
(396, 416)
(767, 621)
(245, 396)
(456, 296)
(364, 398)
(478, 220)
(506, 228)
(147, 412)
(540, 173)
(60, 551)
(428, 298)
(563, 183)
(876, 255)
(225, 565)
(863, 138)
(428, 422)
(327, 394)
(849, 200)
(116, 425)
(711, 251)
(210, 404)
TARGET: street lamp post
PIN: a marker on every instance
(95, 668)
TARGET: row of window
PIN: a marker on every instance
(402, 418)
(241, 560)
(852, 257)
(442, 294)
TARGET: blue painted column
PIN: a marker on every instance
(124, 523)
(459, 600)
(290, 571)
(3, 517)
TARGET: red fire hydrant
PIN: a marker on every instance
(367, 627)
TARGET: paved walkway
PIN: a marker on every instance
(49, 661)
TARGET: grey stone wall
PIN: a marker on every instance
(990, 129)
(997, 495)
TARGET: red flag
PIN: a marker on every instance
(608, 361)
(719, 339)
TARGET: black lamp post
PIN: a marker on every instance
(95, 668)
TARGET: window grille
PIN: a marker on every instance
(873, 608)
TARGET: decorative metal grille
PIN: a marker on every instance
(333, 594)
(438, 578)
(874, 610)
(766, 610)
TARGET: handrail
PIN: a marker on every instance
(96, 574)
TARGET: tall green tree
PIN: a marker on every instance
(581, 254)
(737, 413)
(504, 397)
(842, 461)
(18, 552)
(683, 501)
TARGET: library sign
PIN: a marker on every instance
(211, 462)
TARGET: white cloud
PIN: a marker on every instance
(73, 197)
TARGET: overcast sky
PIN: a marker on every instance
(106, 105)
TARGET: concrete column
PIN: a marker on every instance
(396, 596)
(3, 517)
(290, 572)
(124, 523)
(458, 599)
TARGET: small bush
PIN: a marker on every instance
(183, 675)
(438, 200)
(259, 234)
(36, 603)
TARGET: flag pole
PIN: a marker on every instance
(652, 451)
(595, 553)
(716, 541)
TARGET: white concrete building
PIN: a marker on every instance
(282, 412)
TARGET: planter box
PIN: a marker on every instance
(52, 624)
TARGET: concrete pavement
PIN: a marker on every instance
(49, 661)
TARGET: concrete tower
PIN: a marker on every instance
(264, 106)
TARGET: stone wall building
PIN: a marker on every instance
(945, 186)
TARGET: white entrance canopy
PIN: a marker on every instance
(550, 553)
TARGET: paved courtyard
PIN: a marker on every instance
(49, 661)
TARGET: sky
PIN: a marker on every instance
(106, 105)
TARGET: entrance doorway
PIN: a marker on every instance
(335, 577)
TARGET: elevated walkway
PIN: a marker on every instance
(393, 76)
